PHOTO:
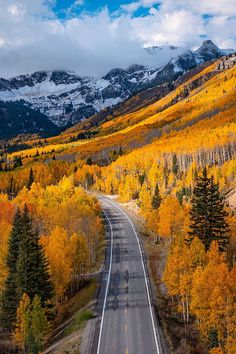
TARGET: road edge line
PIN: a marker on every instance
(144, 272)
(108, 281)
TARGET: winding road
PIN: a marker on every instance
(127, 323)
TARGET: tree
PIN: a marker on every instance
(172, 218)
(178, 276)
(21, 332)
(10, 296)
(11, 188)
(208, 215)
(60, 261)
(213, 300)
(31, 325)
(175, 166)
(5, 230)
(32, 268)
(79, 254)
(38, 326)
(156, 199)
(31, 179)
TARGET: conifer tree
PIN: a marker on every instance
(156, 199)
(175, 166)
(32, 268)
(208, 215)
(31, 179)
(9, 301)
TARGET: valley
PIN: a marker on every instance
(125, 193)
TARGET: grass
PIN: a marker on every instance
(79, 321)
(82, 299)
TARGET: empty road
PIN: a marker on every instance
(127, 322)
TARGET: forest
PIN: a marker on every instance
(175, 161)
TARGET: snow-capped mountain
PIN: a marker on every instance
(66, 97)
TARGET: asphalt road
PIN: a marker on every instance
(127, 322)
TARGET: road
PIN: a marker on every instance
(127, 322)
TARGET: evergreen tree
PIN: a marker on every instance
(156, 199)
(11, 189)
(28, 269)
(208, 215)
(31, 179)
(10, 298)
(175, 166)
(32, 268)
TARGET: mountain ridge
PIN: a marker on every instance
(67, 98)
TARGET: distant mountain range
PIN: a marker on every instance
(61, 99)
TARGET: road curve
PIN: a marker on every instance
(127, 321)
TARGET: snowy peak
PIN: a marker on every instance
(63, 77)
(159, 49)
(209, 51)
(66, 98)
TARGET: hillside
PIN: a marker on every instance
(151, 157)
(204, 102)
(16, 118)
(201, 102)
(67, 98)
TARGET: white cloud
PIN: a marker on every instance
(134, 6)
(32, 38)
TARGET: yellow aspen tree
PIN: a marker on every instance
(56, 247)
(5, 230)
(79, 253)
(23, 322)
(171, 218)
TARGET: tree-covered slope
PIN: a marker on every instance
(16, 118)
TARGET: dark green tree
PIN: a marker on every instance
(175, 166)
(156, 199)
(10, 296)
(11, 188)
(31, 179)
(17, 162)
(32, 268)
(208, 215)
(213, 340)
(28, 270)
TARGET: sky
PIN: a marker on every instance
(91, 37)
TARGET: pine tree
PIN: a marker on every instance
(208, 215)
(11, 189)
(31, 179)
(175, 166)
(10, 298)
(156, 199)
(32, 268)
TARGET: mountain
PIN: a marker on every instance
(16, 118)
(66, 98)
(187, 120)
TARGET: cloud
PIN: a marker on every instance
(33, 38)
(134, 6)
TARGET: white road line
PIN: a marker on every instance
(145, 276)
(108, 282)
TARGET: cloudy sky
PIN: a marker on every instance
(93, 36)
